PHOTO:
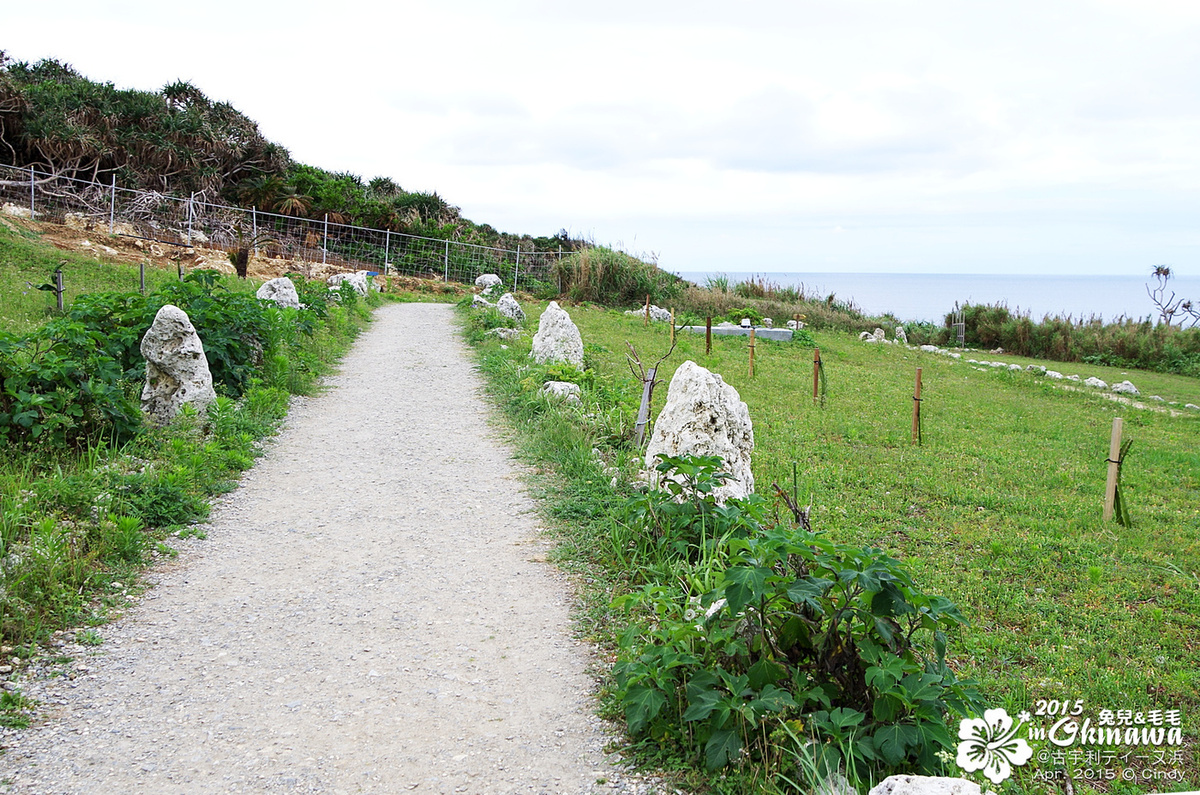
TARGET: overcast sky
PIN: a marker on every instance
(916, 136)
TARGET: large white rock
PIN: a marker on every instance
(1126, 388)
(557, 338)
(479, 302)
(901, 336)
(924, 785)
(488, 280)
(508, 306)
(880, 336)
(176, 367)
(357, 280)
(705, 416)
(281, 291)
(1095, 382)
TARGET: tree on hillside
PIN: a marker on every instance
(176, 140)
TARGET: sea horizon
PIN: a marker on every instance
(931, 296)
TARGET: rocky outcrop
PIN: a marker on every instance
(657, 313)
(281, 291)
(557, 338)
(705, 416)
(508, 306)
(176, 367)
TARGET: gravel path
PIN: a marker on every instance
(369, 613)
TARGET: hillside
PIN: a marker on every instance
(179, 142)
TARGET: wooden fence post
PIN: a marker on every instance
(672, 327)
(816, 371)
(646, 321)
(916, 423)
(1114, 451)
(751, 351)
(708, 336)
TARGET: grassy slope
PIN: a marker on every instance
(26, 260)
(998, 510)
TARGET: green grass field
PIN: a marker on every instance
(998, 509)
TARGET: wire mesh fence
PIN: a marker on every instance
(192, 222)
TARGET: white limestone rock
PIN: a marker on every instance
(176, 367)
(479, 302)
(1054, 374)
(1191, 406)
(879, 335)
(768, 322)
(357, 280)
(1157, 398)
(745, 323)
(1036, 369)
(901, 336)
(562, 389)
(791, 324)
(924, 785)
(504, 333)
(1126, 388)
(15, 210)
(705, 416)
(1074, 378)
(1096, 383)
(281, 291)
(488, 281)
(557, 338)
(508, 306)
(1016, 368)
(929, 348)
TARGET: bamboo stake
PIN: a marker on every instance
(751, 352)
(916, 423)
(1114, 451)
(816, 371)
(708, 336)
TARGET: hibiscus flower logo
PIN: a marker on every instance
(991, 744)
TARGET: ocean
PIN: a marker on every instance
(930, 296)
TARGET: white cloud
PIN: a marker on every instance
(1024, 134)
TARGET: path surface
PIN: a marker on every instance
(369, 613)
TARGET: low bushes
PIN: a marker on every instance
(614, 278)
(1125, 343)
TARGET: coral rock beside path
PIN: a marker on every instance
(369, 613)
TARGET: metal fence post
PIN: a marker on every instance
(191, 212)
(387, 247)
(254, 228)
(31, 189)
(517, 268)
(325, 244)
(112, 207)
(446, 262)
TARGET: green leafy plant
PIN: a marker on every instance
(796, 627)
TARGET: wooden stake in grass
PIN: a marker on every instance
(708, 336)
(816, 371)
(141, 276)
(672, 328)
(916, 425)
(1114, 469)
(646, 320)
(751, 352)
